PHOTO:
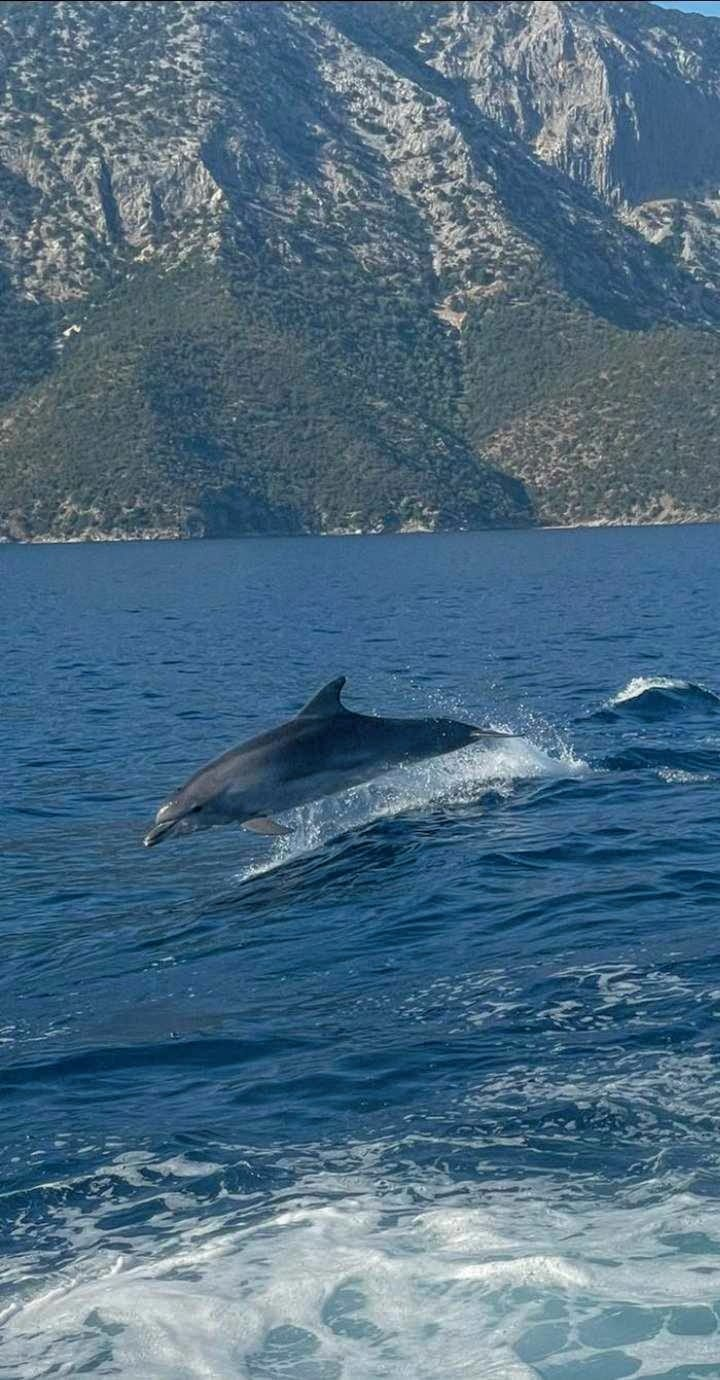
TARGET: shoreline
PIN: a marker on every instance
(598, 524)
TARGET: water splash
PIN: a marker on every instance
(460, 778)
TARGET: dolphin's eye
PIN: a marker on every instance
(195, 809)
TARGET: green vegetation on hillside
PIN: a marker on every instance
(597, 420)
(205, 402)
(190, 403)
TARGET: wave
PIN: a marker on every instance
(658, 697)
(675, 765)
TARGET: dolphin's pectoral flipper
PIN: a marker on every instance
(491, 733)
(266, 826)
(326, 702)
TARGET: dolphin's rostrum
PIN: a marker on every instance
(325, 749)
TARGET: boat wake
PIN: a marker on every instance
(425, 1278)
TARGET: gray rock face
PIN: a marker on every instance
(624, 98)
(130, 130)
(449, 152)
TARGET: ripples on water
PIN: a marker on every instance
(429, 1088)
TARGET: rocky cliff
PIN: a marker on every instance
(356, 266)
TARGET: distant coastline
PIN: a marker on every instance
(100, 539)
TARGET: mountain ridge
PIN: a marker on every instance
(319, 267)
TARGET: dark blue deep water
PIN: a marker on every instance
(428, 1089)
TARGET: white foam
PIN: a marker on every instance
(350, 1285)
(461, 778)
(675, 776)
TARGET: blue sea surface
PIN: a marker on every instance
(429, 1088)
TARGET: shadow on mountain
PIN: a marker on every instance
(26, 340)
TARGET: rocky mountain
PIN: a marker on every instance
(348, 266)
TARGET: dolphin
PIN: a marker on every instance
(324, 750)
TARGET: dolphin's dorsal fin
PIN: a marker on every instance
(326, 702)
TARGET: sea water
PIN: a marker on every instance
(427, 1089)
